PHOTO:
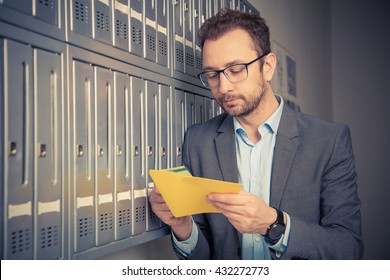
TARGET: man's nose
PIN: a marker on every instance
(224, 84)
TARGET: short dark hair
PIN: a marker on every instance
(226, 20)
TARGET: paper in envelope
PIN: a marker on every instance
(186, 195)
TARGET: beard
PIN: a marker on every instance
(248, 104)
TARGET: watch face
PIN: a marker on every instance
(276, 232)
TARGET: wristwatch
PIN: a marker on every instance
(276, 230)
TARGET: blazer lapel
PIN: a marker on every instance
(226, 150)
(285, 147)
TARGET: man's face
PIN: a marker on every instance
(239, 98)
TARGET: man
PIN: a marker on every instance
(299, 197)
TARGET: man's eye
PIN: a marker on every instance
(236, 69)
(212, 75)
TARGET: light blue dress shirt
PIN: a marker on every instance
(254, 161)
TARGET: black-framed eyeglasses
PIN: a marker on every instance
(234, 73)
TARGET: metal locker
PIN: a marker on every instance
(151, 144)
(178, 35)
(199, 109)
(189, 37)
(162, 32)
(179, 126)
(122, 156)
(136, 25)
(46, 10)
(200, 11)
(208, 108)
(138, 172)
(82, 153)
(18, 153)
(48, 156)
(104, 178)
(102, 16)
(190, 109)
(20, 5)
(229, 4)
(216, 108)
(81, 17)
(150, 30)
(164, 125)
(121, 24)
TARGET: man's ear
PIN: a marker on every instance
(269, 66)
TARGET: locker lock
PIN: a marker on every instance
(100, 151)
(163, 152)
(79, 151)
(150, 151)
(178, 151)
(42, 150)
(136, 151)
(119, 150)
(12, 149)
(186, 7)
(196, 13)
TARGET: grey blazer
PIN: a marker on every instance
(313, 180)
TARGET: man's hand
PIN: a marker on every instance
(181, 227)
(245, 211)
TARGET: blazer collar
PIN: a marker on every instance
(226, 150)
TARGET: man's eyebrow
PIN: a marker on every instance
(234, 62)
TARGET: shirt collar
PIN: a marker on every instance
(271, 124)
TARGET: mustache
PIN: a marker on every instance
(230, 96)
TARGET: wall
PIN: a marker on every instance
(360, 74)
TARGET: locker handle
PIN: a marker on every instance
(136, 151)
(100, 151)
(163, 151)
(79, 151)
(119, 151)
(150, 151)
(42, 150)
(12, 149)
(178, 151)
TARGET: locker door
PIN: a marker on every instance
(179, 125)
(122, 155)
(162, 32)
(18, 154)
(48, 146)
(150, 30)
(199, 17)
(151, 144)
(189, 37)
(229, 4)
(47, 10)
(164, 124)
(136, 25)
(138, 155)
(216, 108)
(104, 182)
(199, 109)
(208, 108)
(81, 22)
(178, 35)
(20, 5)
(83, 155)
(103, 29)
(190, 109)
(121, 24)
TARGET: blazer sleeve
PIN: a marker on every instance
(338, 235)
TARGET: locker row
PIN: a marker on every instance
(77, 141)
(163, 32)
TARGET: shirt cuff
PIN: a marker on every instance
(186, 247)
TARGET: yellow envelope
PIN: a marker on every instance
(186, 195)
